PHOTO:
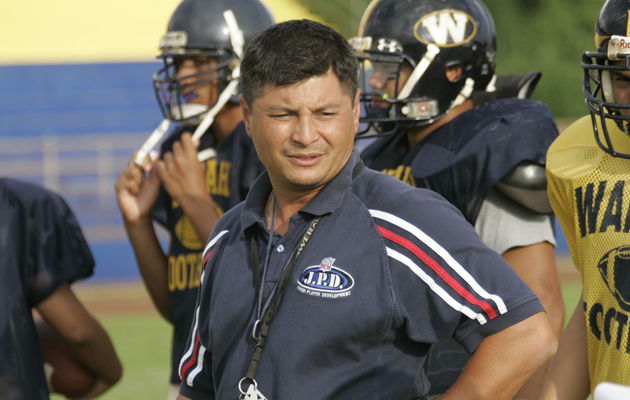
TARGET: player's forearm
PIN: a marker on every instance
(87, 340)
(505, 360)
(202, 213)
(96, 352)
(152, 262)
(535, 264)
(568, 376)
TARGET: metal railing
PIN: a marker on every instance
(81, 168)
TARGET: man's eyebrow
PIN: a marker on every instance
(285, 108)
(328, 107)
(281, 108)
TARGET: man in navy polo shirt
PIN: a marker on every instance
(332, 281)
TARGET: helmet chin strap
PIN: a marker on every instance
(238, 40)
(464, 94)
(188, 110)
(423, 65)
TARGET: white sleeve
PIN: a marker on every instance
(502, 224)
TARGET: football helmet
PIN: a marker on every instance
(199, 28)
(418, 40)
(607, 75)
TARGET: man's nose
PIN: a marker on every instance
(305, 131)
(377, 80)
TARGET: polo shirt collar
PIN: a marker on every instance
(326, 201)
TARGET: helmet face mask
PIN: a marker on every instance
(604, 87)
(186, 97)
(606, 83)
(199, 60)
(429, 36)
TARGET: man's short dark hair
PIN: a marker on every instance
(293, 51)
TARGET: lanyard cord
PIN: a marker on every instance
(260, 310)
(261, 326)
(265, 316)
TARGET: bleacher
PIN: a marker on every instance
(73, 128)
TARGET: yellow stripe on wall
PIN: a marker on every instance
(76, 31)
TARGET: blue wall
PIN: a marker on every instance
(77, 98)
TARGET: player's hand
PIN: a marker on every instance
(137, 193)
(99, 388)
(181, 173)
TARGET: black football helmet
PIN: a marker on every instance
(611, 61)
(198, 28)
(429, 36)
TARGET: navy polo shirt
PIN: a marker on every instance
(389, 271)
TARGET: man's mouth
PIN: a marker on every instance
(305, 159)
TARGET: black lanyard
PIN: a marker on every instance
(266, 312)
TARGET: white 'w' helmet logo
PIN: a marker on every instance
(444, 24)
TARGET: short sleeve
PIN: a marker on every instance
(54, 246)
(502, 224)
(448, 284)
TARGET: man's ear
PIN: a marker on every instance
(356, 110)
(453, 72)
(245, 112)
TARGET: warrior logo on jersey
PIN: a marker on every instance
(614, 267)
(325, 280)
(446, 28)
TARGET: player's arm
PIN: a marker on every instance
(568, 376)
(88, 341)
(505, 360)
(184, 178)
(536, 266)
(136, 196)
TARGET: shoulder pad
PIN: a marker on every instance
(526, 184)
(508, 86)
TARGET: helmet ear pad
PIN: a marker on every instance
(607, 88)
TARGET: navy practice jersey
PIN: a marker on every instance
(465, 158)
(462, 161)
(228, 178)
(388, 271)
(41, 247)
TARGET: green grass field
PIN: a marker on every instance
(142, 341)
(143, 345)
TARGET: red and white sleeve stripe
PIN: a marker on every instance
(407, 237)
(193, 357)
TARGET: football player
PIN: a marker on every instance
(424, 61)
(42, 252)
(588, 167)
(201, 52)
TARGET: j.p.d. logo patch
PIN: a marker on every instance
(325, 280)
(446, 28)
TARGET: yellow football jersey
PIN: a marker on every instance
(590, 193)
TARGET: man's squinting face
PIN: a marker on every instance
(303, 133)
(190, 72)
